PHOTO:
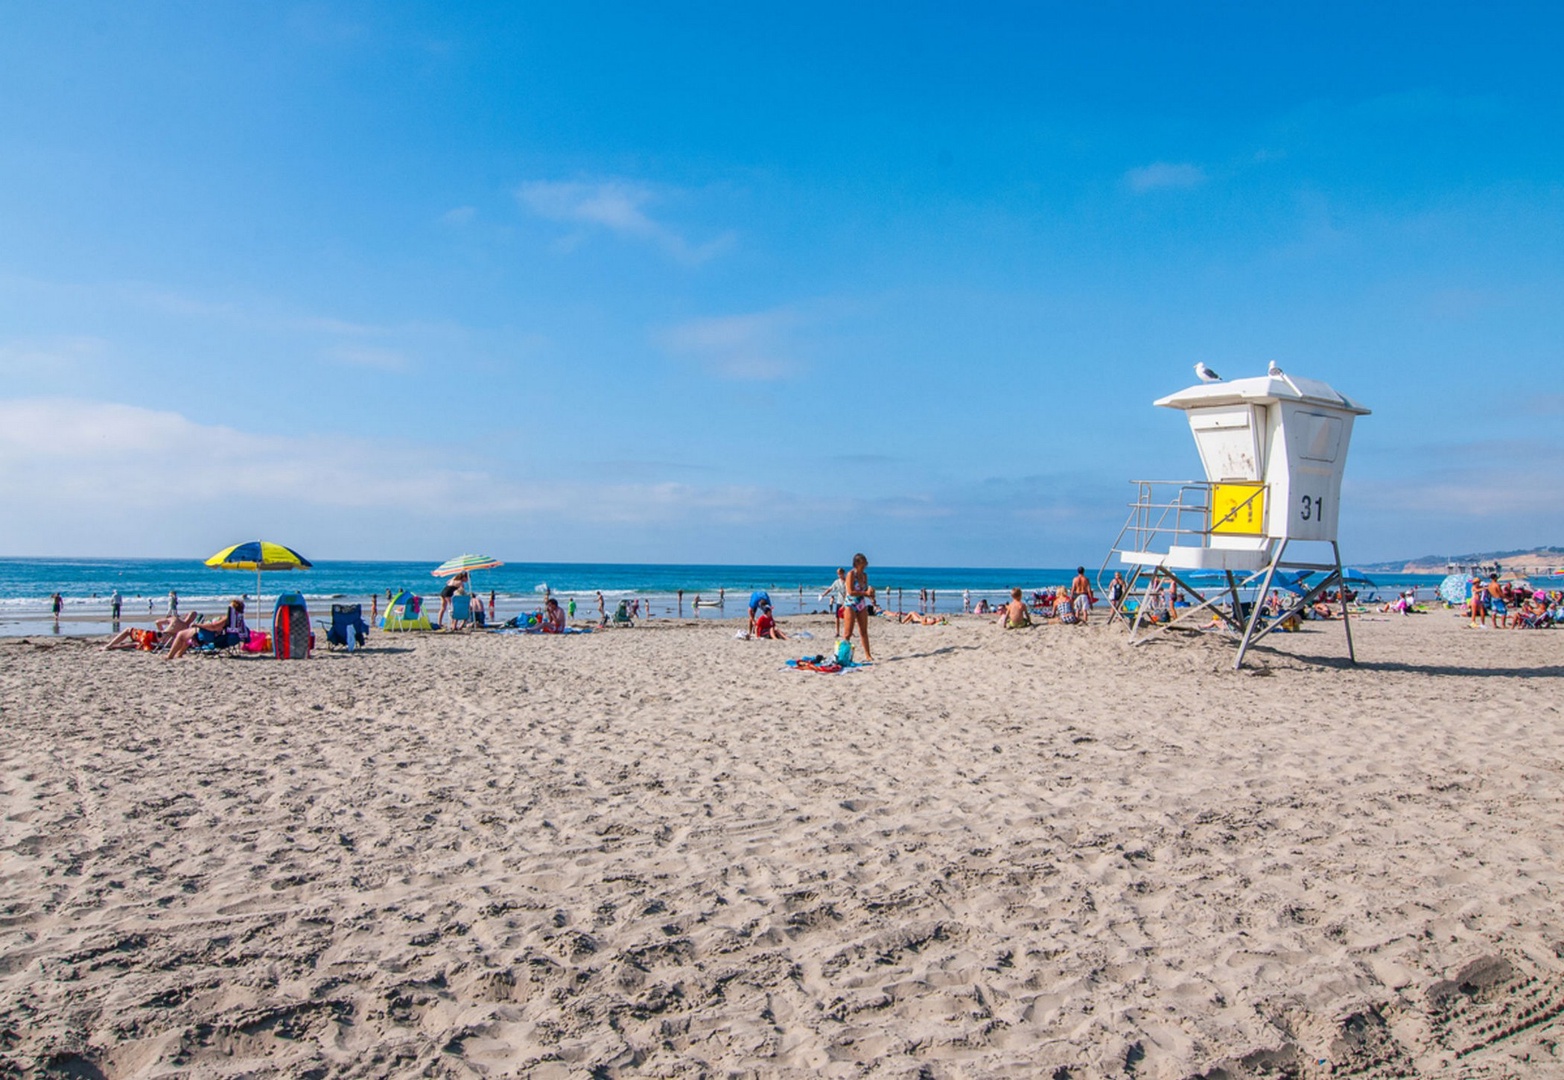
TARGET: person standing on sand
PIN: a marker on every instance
(455, 585)
(1117, 588)
(1479, 594)
(57, 602)
(836, 595)
(114, 605)
(602, 612)
(966, 601)
(857, 613)
(1497, 608)
(173, 603)
(1081, 597)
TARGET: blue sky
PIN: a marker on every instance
(711, 283)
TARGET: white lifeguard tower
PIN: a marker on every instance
(1274, 449)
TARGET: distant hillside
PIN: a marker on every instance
(1521, 560)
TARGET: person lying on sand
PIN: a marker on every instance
(148, 640)
(1016, 615)
(225, 631)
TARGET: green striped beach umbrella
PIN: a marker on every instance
(465, 562)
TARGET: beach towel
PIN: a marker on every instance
(540, 630)
(816, 663)
(823, 664)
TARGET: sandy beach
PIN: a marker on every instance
(659, 852)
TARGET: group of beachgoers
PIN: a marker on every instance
(175, 634)
(850, 596)
(1507, 605)
(1066, 605)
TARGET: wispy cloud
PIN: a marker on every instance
(1470, 480)
(114, 461)
(755, 347)
(620, 207)
(56, 353)
(368, 356)
(104, 477)
(1160, 175)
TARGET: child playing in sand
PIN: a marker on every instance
(1016, 615)
(766, 625)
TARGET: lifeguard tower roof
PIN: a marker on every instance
(1262, 390)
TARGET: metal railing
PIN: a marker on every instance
(1169, 512)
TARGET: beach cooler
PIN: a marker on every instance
(291, 628)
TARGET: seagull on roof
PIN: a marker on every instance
(1275, 370)
(1205, 374)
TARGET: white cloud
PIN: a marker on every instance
(90, 477)
(57, 354)
(369, 356)
(125, 473)
(1164, 174)
(753, 347)
(617, 206)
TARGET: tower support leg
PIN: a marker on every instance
(1259, 605)
(1341, 588)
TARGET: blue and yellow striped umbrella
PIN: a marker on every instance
(258, 555)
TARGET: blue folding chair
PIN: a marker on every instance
(348, 630)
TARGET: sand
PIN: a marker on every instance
(657, 852)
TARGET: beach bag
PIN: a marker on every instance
(290, 628)
(844, 653)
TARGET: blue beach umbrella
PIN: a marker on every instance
(1455, 588)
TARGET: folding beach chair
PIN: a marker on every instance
(348, 630)
(461, 611)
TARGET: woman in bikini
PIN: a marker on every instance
(857, 605)
(455, 585)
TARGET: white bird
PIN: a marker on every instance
(1205, 374)
(1275, 370)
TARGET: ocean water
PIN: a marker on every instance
(26, 586)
